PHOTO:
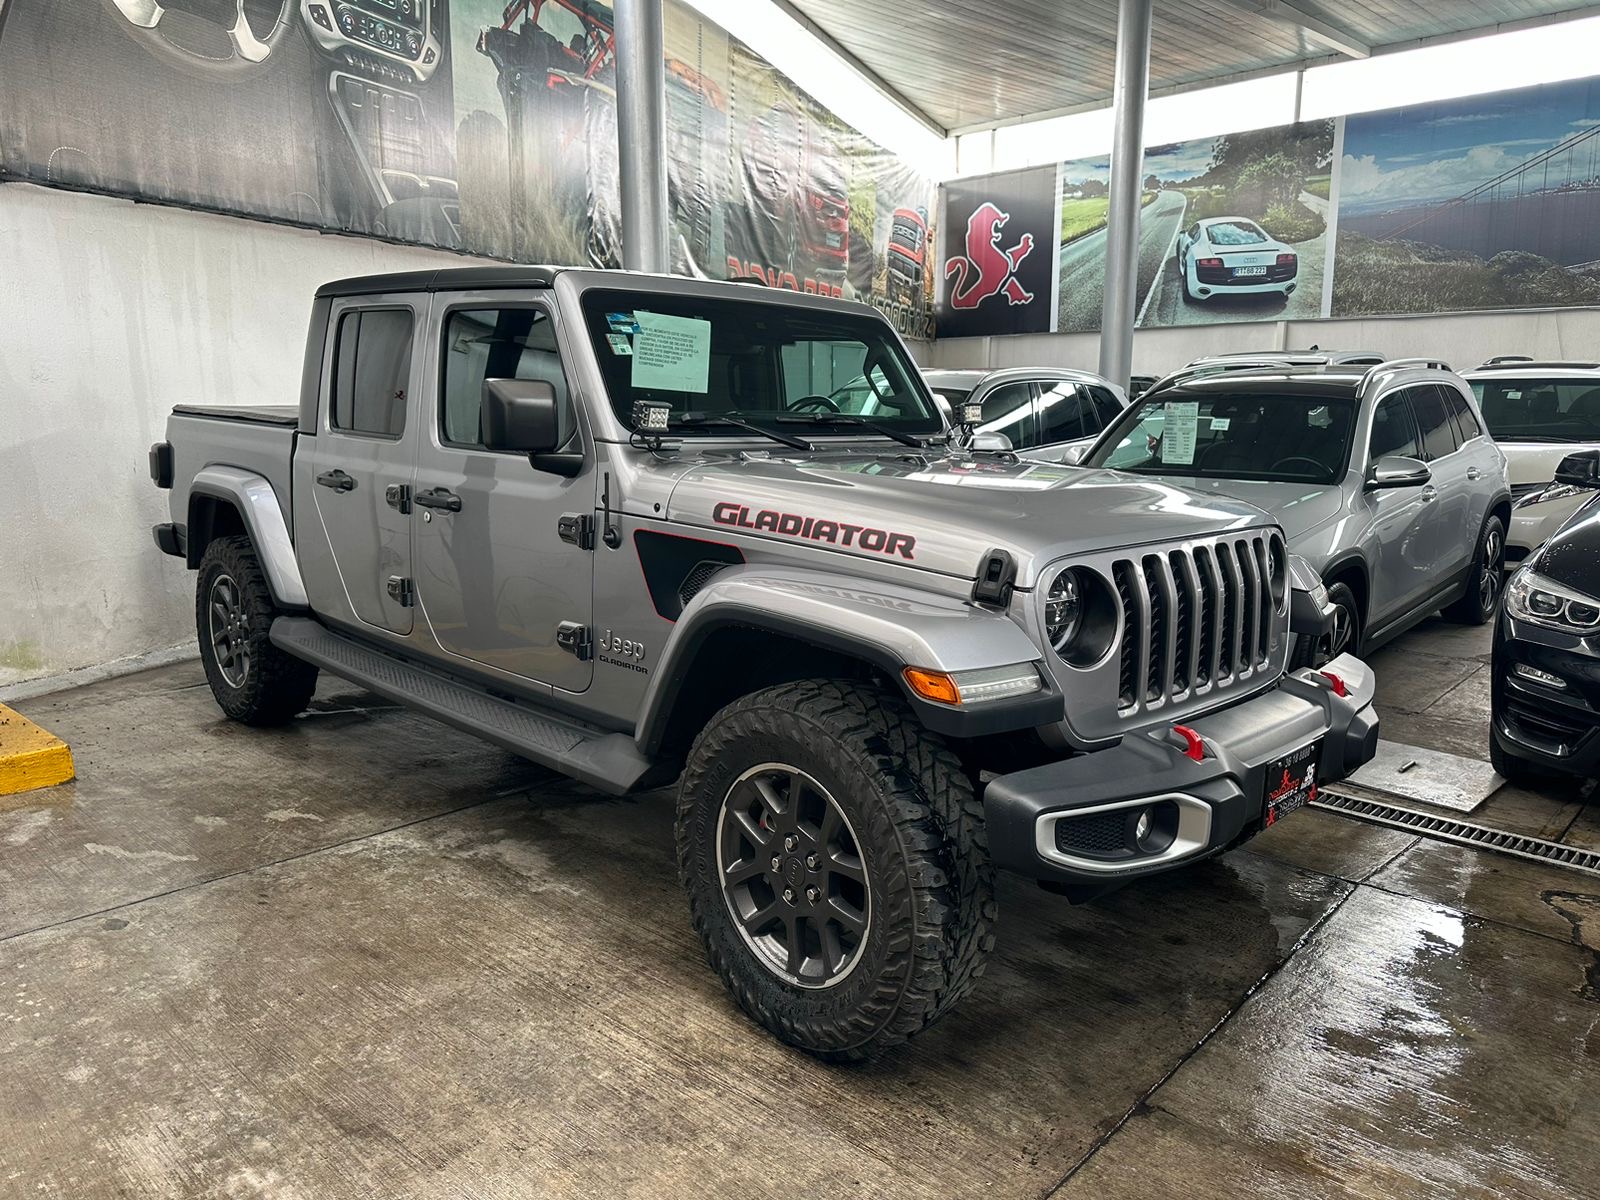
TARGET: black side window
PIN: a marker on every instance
(1467, 426)
(371, 371)
(1433, 422)
(1106, 403)
(1066, 413)
(495, 343)
(1393, 431)
(1009, 410)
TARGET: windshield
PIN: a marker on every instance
(1234, 233)
(1300, 439)
(761, 362)
(1540, 410)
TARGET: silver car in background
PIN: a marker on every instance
(1383, 479)
(1538, 413)
(1044, 412)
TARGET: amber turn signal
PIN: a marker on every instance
(933, 685)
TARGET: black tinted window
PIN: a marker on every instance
(1008, 410)
(1467, 426)
(371, 371)
(494, 343)
(1392, 429)
(1110, 408)
(1066, 413)
(1433, 422)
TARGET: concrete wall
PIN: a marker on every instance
(1463, 341)
(111, 313)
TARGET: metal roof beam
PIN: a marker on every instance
(876, 81)
(1314, 26)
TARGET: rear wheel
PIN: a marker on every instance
(1477, 603)
(1183, 274)
(1343, 636)
(253, 681)
(836, 864)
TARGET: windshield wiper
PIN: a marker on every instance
(737, 420)
(827, 418)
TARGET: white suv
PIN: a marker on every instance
(1539, 412)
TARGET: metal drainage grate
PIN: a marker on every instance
(1447, 829)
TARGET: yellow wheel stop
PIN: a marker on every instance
(30, 757)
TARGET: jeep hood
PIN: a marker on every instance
(944, 514)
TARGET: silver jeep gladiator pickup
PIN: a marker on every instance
(617, 524)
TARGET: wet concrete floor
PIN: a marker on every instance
(368, 956)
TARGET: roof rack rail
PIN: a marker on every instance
(1540, 364)
(1498, 359)
(1389, 366)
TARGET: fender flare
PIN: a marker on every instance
(257, 504)
(888, 626)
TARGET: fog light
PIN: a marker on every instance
(1526, 672)
(1155, 828)
(1142, 829)
(651, 416)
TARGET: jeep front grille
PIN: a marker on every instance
(1196, 618)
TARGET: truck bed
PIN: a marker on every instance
(258, 439)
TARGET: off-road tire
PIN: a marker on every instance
(921, 835)
(276, 685)
(1485, 581)
(1516, 770)
(1314, 651)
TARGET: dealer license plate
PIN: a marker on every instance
(1291, 781)
(1244, 272)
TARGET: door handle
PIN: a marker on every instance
(438, 498)
(1429, 494)
(1474, 473)
(337, 480)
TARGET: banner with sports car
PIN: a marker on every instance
(472, 125)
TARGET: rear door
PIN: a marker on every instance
(1484, 463)
(348, 476)
(1067, 415)
(1457, 528)
(1404, 520)
(496, 580)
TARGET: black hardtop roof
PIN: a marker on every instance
(442, 279)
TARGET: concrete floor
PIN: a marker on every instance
(368, 956)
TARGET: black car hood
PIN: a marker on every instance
(1572, 555)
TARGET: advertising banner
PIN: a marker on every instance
(473, 125)
(996, 271)
(1232, 228)
(1487, 202)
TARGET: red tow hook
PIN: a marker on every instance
(1337, 683)
(1194, 745)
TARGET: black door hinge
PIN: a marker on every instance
(398, 496)
(576, 640)
(401, 591)
(577, 528)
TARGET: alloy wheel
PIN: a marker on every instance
(230, 631)
(1493, 567)
(793, 876)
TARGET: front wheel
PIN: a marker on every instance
(1343, 636)
(1478, 602)
(836, 865)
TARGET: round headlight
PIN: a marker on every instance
(1063, 610)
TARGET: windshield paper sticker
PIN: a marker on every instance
(672, 354)
(619, 343)
(622, 323)
(1177, 438)
(1220, 424)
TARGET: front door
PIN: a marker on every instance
(361, 455)
(497, 583)
(1405, 520)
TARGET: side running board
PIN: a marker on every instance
(610, 762)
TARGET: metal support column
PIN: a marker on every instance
(642, 134)
(1130, 90)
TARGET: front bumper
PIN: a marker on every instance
(1556, 727)
(1218, 800)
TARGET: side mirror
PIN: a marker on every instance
(1076, 454)
(998, 442)
(520, 415)
(1397, 471)
(1581, 469)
